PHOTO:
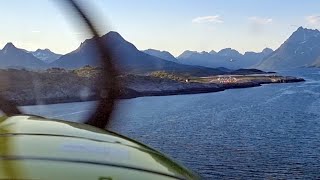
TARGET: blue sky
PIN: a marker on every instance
(172, 25)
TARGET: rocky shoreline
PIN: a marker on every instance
(145, 88)
(60, 86)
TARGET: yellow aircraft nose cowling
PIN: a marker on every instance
(37, 148)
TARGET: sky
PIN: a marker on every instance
(171, 25)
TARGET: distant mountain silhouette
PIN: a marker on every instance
(127, 58)
(213, 52)
(46, 55)
(12, 57)
(187, 54)
(161, 54)
(228, 52)
(227, 58)
(85, 54)
(301, 49)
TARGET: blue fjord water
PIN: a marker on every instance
(269, 132)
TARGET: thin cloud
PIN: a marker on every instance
(260, 21)
(258, 25)
(313, 20)
(208, 19)
(35, 31)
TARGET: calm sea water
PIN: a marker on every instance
(269, 132)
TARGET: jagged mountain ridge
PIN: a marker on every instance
(301, 49)
(161, 54)
(228, 58)
(127, 58)
(13, 57)
(46, 55)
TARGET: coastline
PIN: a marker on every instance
(83, 89)
(197, 88)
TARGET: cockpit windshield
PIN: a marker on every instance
(228, 88)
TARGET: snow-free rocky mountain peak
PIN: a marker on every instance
(301, 49)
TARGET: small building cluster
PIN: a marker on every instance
(226, 80)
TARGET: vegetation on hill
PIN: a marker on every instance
(50, 86)
(87, 71)
(172, 76)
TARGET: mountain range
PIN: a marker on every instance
(161, 54)
(127, 58)
(228, 58)
(301, 49)
(45, 55)
(13, 57)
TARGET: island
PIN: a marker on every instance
(162, 83)
(57, 85)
